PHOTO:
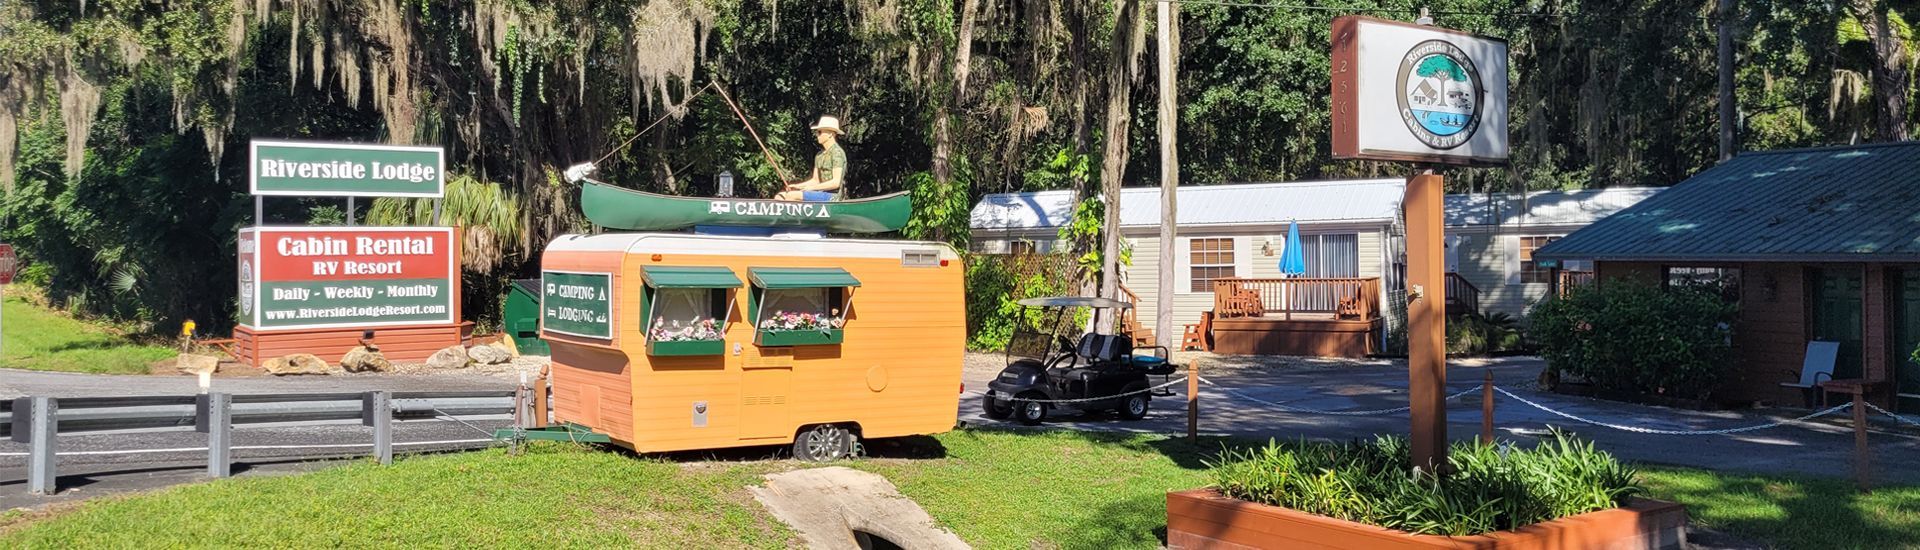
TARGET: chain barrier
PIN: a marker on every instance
(1292, 408)
(1655, 431)
(1902, 419)
(1101, 398)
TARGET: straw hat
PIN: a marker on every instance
(829, 123)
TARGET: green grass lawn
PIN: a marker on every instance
(995, 489)
(39, 339)
(1792, 513)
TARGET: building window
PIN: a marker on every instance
(1210, 259)
(1723, 280)
(1331, 256)
(1530, 270)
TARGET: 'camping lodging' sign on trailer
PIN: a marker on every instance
(1405, 92)
(345, 277)
(577, 303)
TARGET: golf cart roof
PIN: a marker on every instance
(1075, 301)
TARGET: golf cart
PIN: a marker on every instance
(1059, 361)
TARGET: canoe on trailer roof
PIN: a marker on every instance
(626, 209)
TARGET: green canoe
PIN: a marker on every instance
(627, 209)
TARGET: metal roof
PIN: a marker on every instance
(1203, 205)
(1542, 208)
(1853, 203)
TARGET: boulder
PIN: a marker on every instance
(194, 363)
(489, 354)
(453, 357)
(298, 363)
(365, 359)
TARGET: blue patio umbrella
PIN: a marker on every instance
(1293, 260)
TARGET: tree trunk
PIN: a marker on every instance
(1890, 74)
(943, 115)
(1114, 163)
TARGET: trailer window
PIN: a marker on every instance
(685, 310)
(794, 306)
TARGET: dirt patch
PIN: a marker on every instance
(228, 368)
(828, 505)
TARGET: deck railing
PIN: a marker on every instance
(1344, 298)
(1462, 296)
(1572, 279)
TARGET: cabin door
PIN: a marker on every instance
(764, 382)
(1836, 303)
(1906, 336)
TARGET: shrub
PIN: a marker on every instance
(1474, 333)
(1638, 338)
(994, 286)
(1492, 487)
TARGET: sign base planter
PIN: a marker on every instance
(1203, 518)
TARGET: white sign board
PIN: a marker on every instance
(1405, 92)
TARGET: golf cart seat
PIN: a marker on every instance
(1103, 348)
(1153, 364)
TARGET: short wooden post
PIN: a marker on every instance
(1861, 473)
(1486, 409)
(540, 402)
(1193, 401)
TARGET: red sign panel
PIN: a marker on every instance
(335, 277)
(9, 263)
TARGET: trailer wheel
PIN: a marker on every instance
(1031, 413)
(994, 408)
(823, 443)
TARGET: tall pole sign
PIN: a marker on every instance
(1429, 96)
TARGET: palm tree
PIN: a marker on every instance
(494, 231)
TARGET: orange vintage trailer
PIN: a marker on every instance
(813, 342)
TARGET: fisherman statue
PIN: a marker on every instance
(829, 167)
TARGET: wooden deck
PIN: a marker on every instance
(1336, 317)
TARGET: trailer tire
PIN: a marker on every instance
(995, 409)
(823, 443)
(1031, 413)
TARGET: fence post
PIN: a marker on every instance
(377, 411)
(1193, 401)
(1486, 409)
(1862, 474)
(540, 402)
(43, 431)
(216, 419)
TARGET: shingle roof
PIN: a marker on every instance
(1849, 203)
(1204, 205)
(1542, 208)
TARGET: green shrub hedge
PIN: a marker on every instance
(1492, 487)
(996, 283)
(1632, 337)
(1475, 334)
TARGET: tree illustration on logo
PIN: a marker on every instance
(1443, 74)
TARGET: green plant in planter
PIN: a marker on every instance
(1491, 488)
(1638, 338)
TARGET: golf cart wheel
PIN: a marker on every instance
(823, 443)
(995, 409)
(1134, 407)
(1031, 413)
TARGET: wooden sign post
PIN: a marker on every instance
(1415, 93)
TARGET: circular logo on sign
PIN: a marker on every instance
(1440, 94)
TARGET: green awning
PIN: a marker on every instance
(661, 276)
(801, 277)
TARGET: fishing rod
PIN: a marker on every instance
(714, 86)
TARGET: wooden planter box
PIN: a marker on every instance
(1202, 518)
(800, 337)
(687, 347)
